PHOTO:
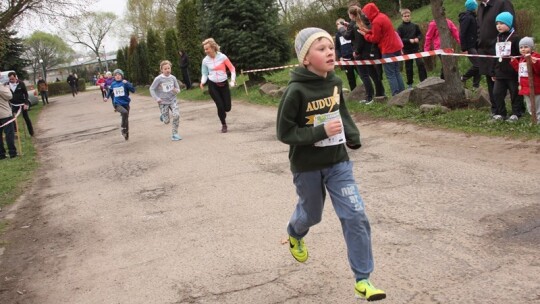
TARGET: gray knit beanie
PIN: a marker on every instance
(305, 38)
(118, 71)
(528, 41)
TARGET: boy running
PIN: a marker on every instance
(119, 90)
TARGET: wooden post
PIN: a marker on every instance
(531, 89)
(245, 85)
(18, 135)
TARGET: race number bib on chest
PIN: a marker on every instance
(167, 86)
(522, 70)
(503, 48)
(119, 91)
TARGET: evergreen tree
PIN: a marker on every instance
(12, 52)
(121, 60)
(171, 50)
(143, 75)
(155, 51)
(189, 36)
(132, 59)
(248, 32)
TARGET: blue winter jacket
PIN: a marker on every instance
(120, 92)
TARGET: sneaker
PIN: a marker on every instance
(224, 129)
(369, 102)
(176, 137)
(364, 290)
(496, 117)
(161, 117)
(125, 134)
(366, 101)
(298, 249)
(512, 118)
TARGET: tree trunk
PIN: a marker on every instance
(454, 87)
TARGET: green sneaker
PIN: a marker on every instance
(298, 249)
(364, 290)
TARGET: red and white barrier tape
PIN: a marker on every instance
(445, 52)
(16, 115)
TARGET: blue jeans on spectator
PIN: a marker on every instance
(392, 74)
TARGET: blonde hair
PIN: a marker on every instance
(212, 43)
(405, 11)
(164, 62)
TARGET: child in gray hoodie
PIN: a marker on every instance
(164, 90)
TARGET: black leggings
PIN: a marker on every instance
(26, 119)
(221, 95)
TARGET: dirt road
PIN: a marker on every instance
(455, 218)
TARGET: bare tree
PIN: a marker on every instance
(52, 10)
(49, 48)
(454, 87)
(143, 14)
(91, 30)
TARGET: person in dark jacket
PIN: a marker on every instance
(344, 52)
(184, 67)
(43, 88)
(72, 81)
(506, 78)
(468, 36)
(487, 36)
(362, 50)
(20, 100)
(410, 36)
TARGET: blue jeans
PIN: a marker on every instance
(311, 188)
(393, 75)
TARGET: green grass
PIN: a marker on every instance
(16, 173)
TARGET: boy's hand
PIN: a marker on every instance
(104, 99)
(158, 101)
(124, 81)
(332, 127)
(176, 90)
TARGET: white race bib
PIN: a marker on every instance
(522, 70)
(119, 91)
(503, 48)
(167, 86)
(333, 140)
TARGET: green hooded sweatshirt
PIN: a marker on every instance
(307, 95)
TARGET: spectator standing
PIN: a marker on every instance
(184, 67)
(344, 52)
(6, 128)
(214, 71)
(526, 48)
(410, 36)
(433, 37)
(506, 78)
(364, 50)
(20, 99)
(487, 36)
(383, 34)
(314, 121)
(43, 88)
(468, 35)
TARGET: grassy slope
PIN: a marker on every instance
(454, 7)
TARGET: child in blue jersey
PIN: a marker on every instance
(119, 89)
(164, 90)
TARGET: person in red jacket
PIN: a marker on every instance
(383, 34)
(526, 48)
